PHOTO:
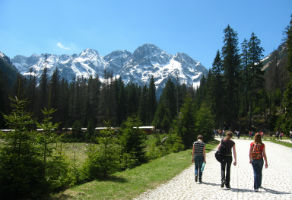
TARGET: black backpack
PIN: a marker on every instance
(221, 152)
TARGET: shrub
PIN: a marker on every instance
(204, 122)
(21, 166)
(103, 158)
(132, 142)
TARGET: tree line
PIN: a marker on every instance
(236, 88)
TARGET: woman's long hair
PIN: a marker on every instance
(258, 138)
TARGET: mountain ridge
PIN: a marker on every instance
(145, 61)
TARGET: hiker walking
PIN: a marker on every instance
(199, 157)
(257, 155)
(281, 135)
(237, 133)
(277, 135)
(225, 147)
(250, 134)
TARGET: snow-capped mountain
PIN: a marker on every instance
(146, 61)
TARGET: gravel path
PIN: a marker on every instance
(277, 179)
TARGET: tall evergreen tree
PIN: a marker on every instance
(168, 98)
(151, 97)
(53, 96)
(246, 77)
(255, 73)
(32, 92)
(93, 99)
(19, 87)
(143, 111)
(120, 98)
(185, 124)
(218, 91)
(64, 103)
(287, 103)
(43, 87)
(231, 67)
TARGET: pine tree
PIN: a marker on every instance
(218, 91)
(53, 99)
(19, 87)
(151, 98)
(30, 91)
(204, 122)
(3, 98)
(255, 72)
(64, 103)
(168, 98)
(103, 158)
(162, 118)
(120, 102)
(246, 76)
(185, 124)
(231, 67)
(47, 137)
(43, 87)
(54, 90)
(21, 168)
(287, 103)
(143, 111)
(132, 142)
(93, 99)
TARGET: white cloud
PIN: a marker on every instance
(61, 46)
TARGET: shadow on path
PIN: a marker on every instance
(213, 184)
(247, 190)
(275, 191)
(265, 190)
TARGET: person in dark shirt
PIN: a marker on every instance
(227, 144)
(199, 156)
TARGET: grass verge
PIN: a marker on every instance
(130, 183)
(287, 144)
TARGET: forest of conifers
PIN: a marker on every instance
(237, 93)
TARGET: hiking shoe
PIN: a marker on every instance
(256, 190)
(222, 184)
(196, 178)
(200, 180)
(228, 187)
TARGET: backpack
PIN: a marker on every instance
(221, 152)
(256, 151)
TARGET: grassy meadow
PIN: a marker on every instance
(130, 183)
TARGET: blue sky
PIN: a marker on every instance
(194, 27)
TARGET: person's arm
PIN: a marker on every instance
(193, 153)
(218, 146)
(234, 155)
(265, 157)
(204, 152)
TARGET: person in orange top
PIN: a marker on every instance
(257, 155)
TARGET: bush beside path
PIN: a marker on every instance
(277, 179)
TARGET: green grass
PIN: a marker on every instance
(287, 144)
(75, 152)
(130, 183)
